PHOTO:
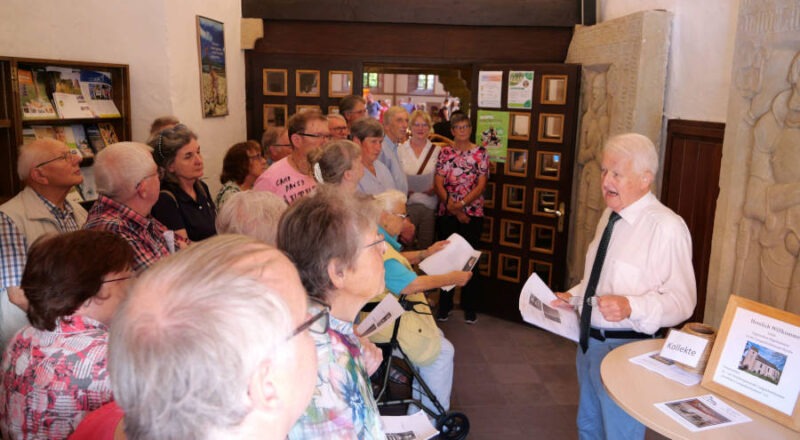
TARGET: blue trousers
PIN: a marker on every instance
(599, 417)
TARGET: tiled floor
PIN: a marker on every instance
(514, 381)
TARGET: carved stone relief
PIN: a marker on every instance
(757, 232)
(622, 90)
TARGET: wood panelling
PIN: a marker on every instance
(691, 186)
(417, 43)
(474, 12)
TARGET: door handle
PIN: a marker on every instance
(560, 213)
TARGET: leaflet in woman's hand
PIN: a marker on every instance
(457, 255)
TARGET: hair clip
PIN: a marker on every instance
(160, 141)
(318, 173)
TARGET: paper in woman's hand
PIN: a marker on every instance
(458, 255)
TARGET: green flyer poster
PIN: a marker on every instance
(492, 133)
(520, 89)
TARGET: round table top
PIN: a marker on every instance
(636, 389)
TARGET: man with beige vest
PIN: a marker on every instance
(49, 170)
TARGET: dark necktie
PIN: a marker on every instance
(586, 312)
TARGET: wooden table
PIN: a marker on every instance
(636, 389)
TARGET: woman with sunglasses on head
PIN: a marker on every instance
(54, 370)
(333, 240)
(185, 204)
(461, 174)
(242, 165)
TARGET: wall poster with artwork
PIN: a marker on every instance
(213, 81)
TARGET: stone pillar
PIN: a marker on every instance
(622, 90)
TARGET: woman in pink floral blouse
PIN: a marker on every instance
(461, 174)
(54, 370)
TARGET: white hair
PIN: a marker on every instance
(252, 213)
(31, 154)
(336, 116)
(389, 199)
(636, 147)
(184, 346)
(120, 167)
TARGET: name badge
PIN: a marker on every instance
(684, 348)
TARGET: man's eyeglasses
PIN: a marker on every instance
(339, 129)
(319, 322)
(66, 157)
(139, 183)
(327, 137)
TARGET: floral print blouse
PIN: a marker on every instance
(461, 171)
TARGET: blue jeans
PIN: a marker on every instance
(599, 417)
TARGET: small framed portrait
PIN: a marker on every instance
(492, 167)
(543, 239)
(554, 89)
(340, 83)
(307, 83)
(275, 115)
(333, 109)
(275, 82)
(488, 195)
(517, 162)
(303, 108)
(548, 165)
(514, 198)
(485, 263)
(551, 128)
(511, 233)
(520, 126)
(508, 267)
(488, 229)
(545, 202)
(543, 269)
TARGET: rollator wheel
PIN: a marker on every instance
(453, 425)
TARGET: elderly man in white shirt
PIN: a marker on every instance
(642, 279)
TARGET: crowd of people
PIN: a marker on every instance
(168, 313)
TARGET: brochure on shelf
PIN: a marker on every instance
(67, 96)
(97, 89)
(33, 97)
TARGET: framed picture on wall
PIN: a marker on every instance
(488, 195)
(485, 263)
(514, 198)
(554, 89)
(275, 115)
(517, 162)
(303, 108)
(488, 229)
(508, 267)
(275, 82)
(511, 233)
(545, 202)
(333, 109)
(211, 52)
(307, 83)
(551, 128)
(548, 165)
(520, 126)
(543, 239)
(340, 83)
(541, 268)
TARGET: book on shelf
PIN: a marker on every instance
(64, 134)
(88, 188)
(81, 141)
(108, 133)
(95, 138)
(33, 97)
(64, 84)
(44, 132)
(97, 90)
(28, 135)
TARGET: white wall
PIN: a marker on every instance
(157, 38)
(701, 53)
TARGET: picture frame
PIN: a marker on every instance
(544, 199)
(554, 89)
(340, 83)
(492, 167)
(485, 263)
(519, 126)
(213, 76)
(275, 115)
(275, 82)
(755, 360)
(488, 195)
(333, 109)
(514, 198)
(543, 239)
(301, 108)
(551, 128)
(307, 83)
(548, 165)
(488, 229)
(511, 232)
(508, 267)
(542, 268)
(517, 162)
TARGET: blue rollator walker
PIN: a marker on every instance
(395, 379)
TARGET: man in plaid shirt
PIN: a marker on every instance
(49, 169)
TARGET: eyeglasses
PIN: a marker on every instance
(118, 279)
(421, 125)
(339, 129)
(402, 216)
(327, 137)
(139, 183)
(255, 157)
(462, 127)
(65, 156)
(318, 323)
(382, 239)
(357, 112)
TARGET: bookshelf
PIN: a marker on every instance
(13, 125)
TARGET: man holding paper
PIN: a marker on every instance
(641, 279)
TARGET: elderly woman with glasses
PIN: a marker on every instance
(418, 159)
(242, 165)
(185, 204)
(334, 242)
(461, 174)
(54, 370)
